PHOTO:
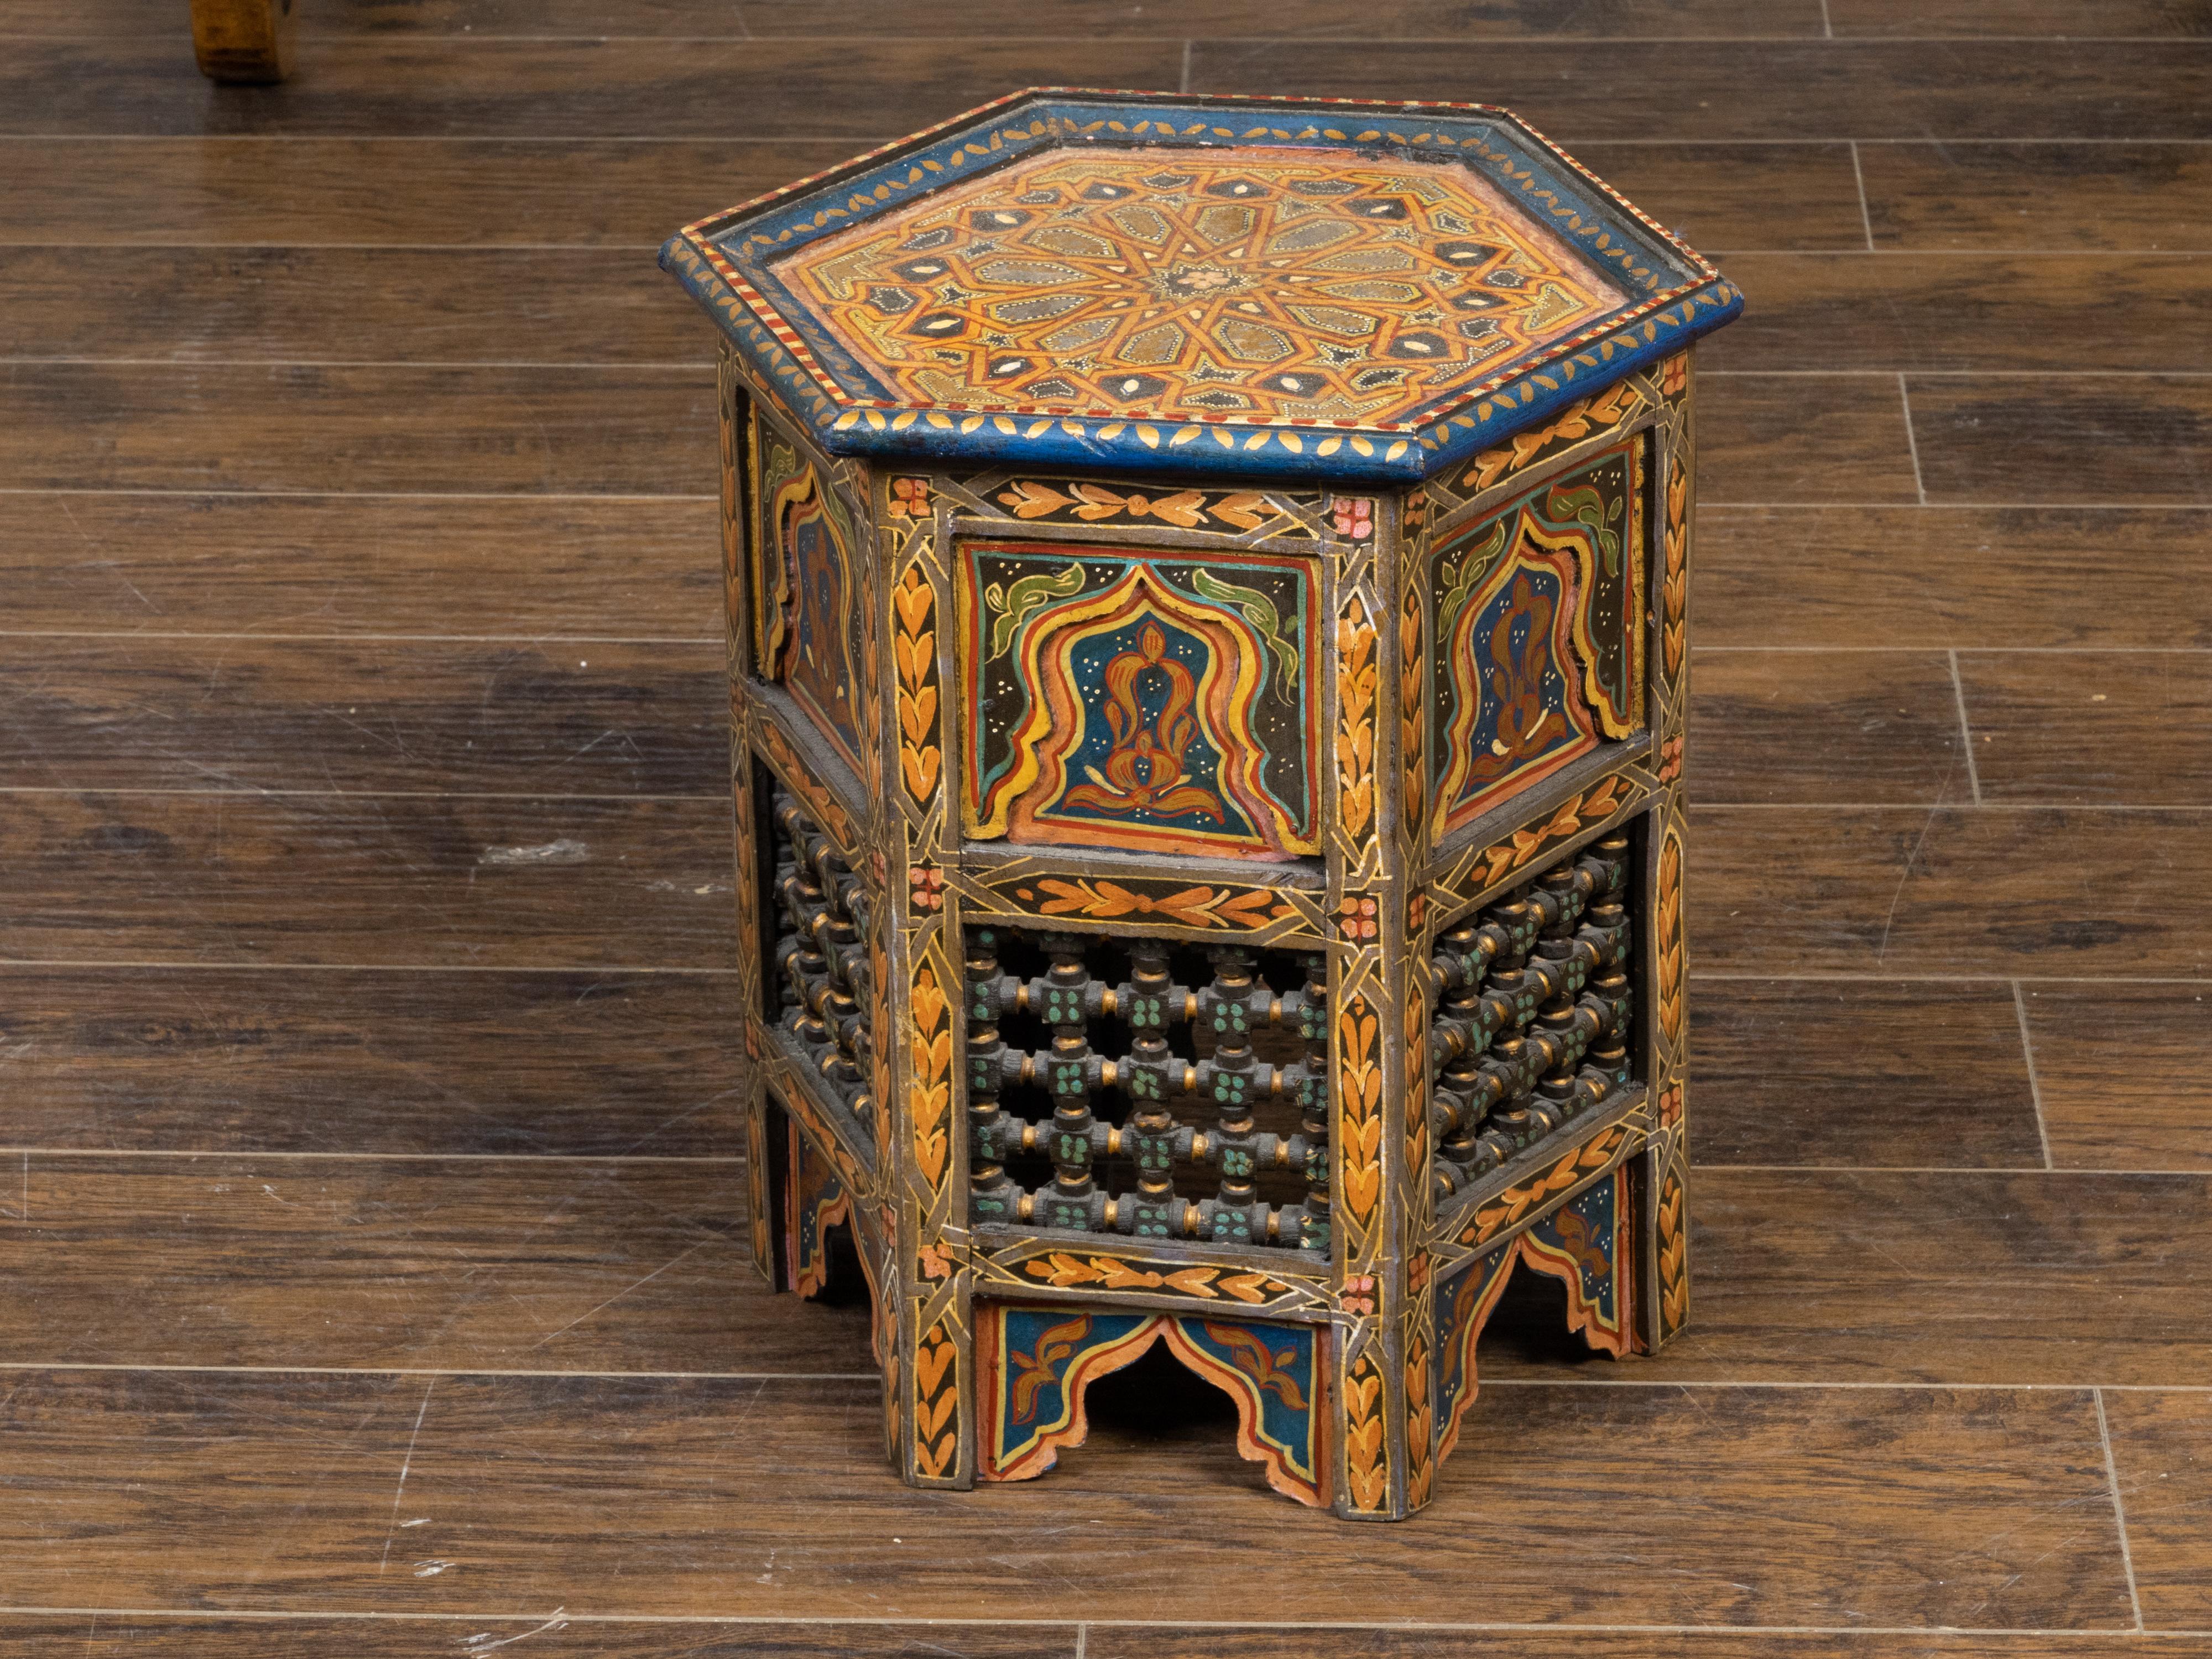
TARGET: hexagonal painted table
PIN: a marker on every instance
(1205, 585)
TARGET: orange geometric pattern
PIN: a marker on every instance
(1306, 285)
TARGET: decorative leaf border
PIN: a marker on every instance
(1518, 1201)
(1064, 1269)
(1125, 1275)
(1667, 922)
(1674, 568)
(914, 655)
(791, 1084)
(937, 1400)
(1358, 1138)
(1206, 906)
(1366, 1443)
(929, 1089)
(1358, 676)
(820, 800)
(1594, 415)
(1673, 1254)
(1078, 500)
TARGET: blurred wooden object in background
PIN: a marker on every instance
(243, 42)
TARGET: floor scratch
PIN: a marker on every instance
(624, 1292)
(484, 1644)
(1911, 859)
(404, 1464)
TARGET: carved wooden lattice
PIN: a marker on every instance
(1118, 1046)
(1534, 1013)
(820, 955)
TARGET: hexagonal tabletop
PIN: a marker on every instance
(1169, 283)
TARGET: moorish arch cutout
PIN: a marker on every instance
(1035, 1364)
(1585, 1245)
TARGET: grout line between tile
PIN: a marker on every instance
(1858, 806)
(2034, 1083)
(373, 1155)
(1775, 977)
(255, 792)
(625, 498)
(1700, 648)
(1965, 727)
(715, 641)
(1857, 1169)
(1827, 29)
(96, 965)
(712, 641)
(2119, 1509)
(657, 365)
(296, 245)
(594, 365)
(251, 792)
(1672, 1385)
(1912, 440)
(725, 1620)
(1083, 1632)
(1183, 85)
(447, 1370)
(868, 141)
(716, 1160)
(187, 492)
(370, 39)
(1703, 975)
(1705, 506)
(2037, 375)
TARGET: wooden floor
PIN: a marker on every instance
(371, 1279)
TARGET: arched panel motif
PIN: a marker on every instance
(811, 612)
(1539, 643)
(1141, 702)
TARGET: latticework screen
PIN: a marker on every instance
(1135, 1086)
(1535, 1013)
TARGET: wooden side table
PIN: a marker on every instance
(1206, 590)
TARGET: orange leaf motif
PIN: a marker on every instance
(937, 1402)
(1359, 1113)
(1356, 677)
(1670, 936)
(1609, 407)
(1250, 1355)
(1194, 907)
(913, 653)
(1673, 1255)
(1035, 1371)
(1675, 581)
(1365, 1462)
(1509, 1206)
(931, 1088)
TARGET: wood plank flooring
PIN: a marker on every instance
(372, 1199)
